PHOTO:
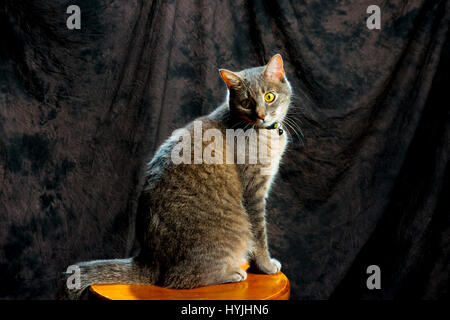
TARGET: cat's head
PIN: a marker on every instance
(259, 96)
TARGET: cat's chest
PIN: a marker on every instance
(258, 177)
(271, 146)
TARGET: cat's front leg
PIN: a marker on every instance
(269, 266)
(260, 252)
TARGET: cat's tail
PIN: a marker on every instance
(80, 276)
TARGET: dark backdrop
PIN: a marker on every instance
(82, 110)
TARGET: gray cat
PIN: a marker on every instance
(198, 223)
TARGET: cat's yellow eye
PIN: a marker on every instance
(245, 103)
(269, 96)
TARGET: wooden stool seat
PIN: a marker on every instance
(255, 287)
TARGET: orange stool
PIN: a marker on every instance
(255, 287)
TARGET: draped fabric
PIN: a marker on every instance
(82, 111)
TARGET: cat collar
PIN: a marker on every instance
(276, 125)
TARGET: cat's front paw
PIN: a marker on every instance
(269, 266)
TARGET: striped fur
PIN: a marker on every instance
(198, 223)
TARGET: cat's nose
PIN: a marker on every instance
(261, 119)
(261, 116)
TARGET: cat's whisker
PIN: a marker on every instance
(288, 134)
(299, 135)
(289, 124)
(292, 121)
(294, 117)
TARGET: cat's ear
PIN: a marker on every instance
(231, 79)
(274, 69)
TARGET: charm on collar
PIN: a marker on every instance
(280, 131)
